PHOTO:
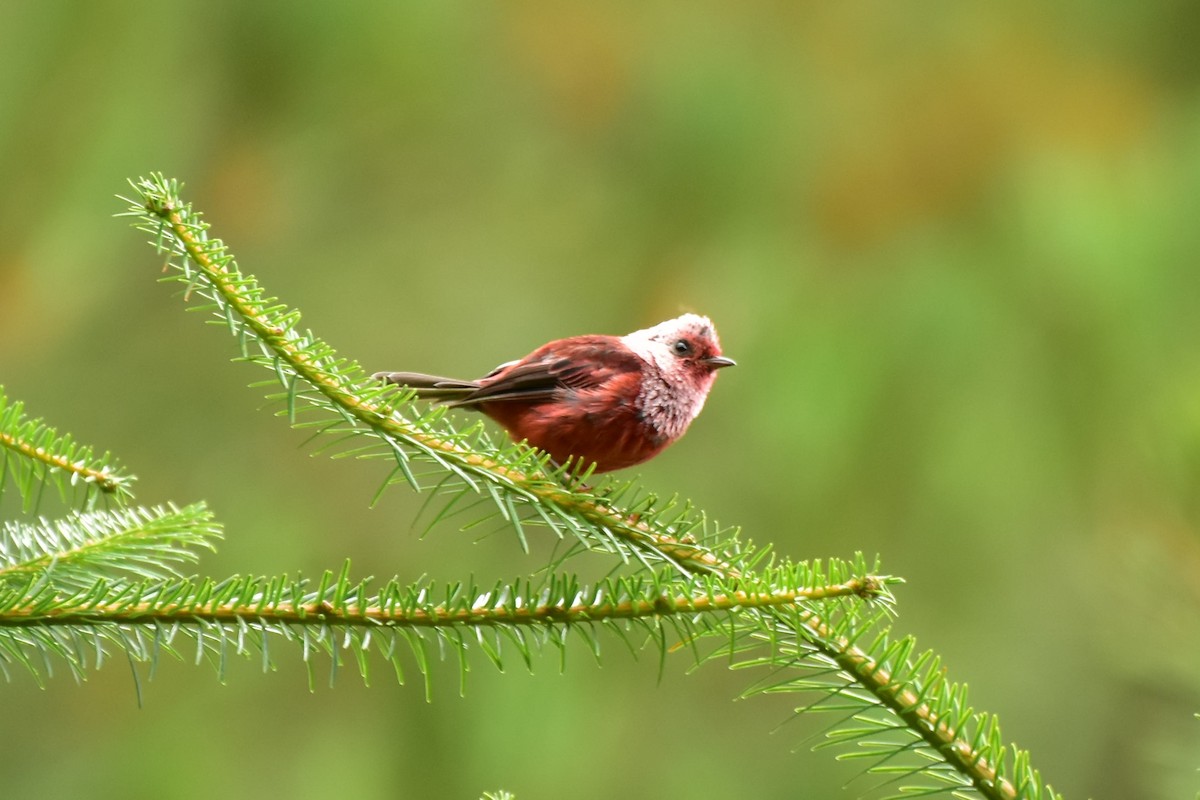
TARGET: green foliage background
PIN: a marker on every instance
(952, 246)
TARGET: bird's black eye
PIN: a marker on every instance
(681, 348)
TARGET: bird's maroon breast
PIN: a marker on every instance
(612, 434)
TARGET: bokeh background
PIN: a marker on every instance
(952, 245)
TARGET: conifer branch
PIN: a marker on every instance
(336, 615)
(301, 358)
(933, 709)
(895, 705)
(137, 542)
(262, 601)
(30, 450)
(78, 587)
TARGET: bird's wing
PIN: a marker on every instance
(429, 387)
(579, 364)
(419, 380)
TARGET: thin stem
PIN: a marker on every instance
(104, 480)
(373, 615)
(919, 716)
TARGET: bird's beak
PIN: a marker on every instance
(716, 362)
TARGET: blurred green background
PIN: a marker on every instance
(952, 246)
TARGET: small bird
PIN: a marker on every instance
(614, 401)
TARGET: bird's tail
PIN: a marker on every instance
(429, 387)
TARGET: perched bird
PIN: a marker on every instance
(613, 400)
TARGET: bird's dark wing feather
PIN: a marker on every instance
(574, 365)
(430, 387)
(419, 380)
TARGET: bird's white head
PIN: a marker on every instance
(683, 356)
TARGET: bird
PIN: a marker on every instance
(611, 401)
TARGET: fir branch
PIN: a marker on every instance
(337, 614)
(933, 709)
(140, 543)
(309, 371)
(901, 711)
(280, 601)
(814, 643)
(32, 453)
